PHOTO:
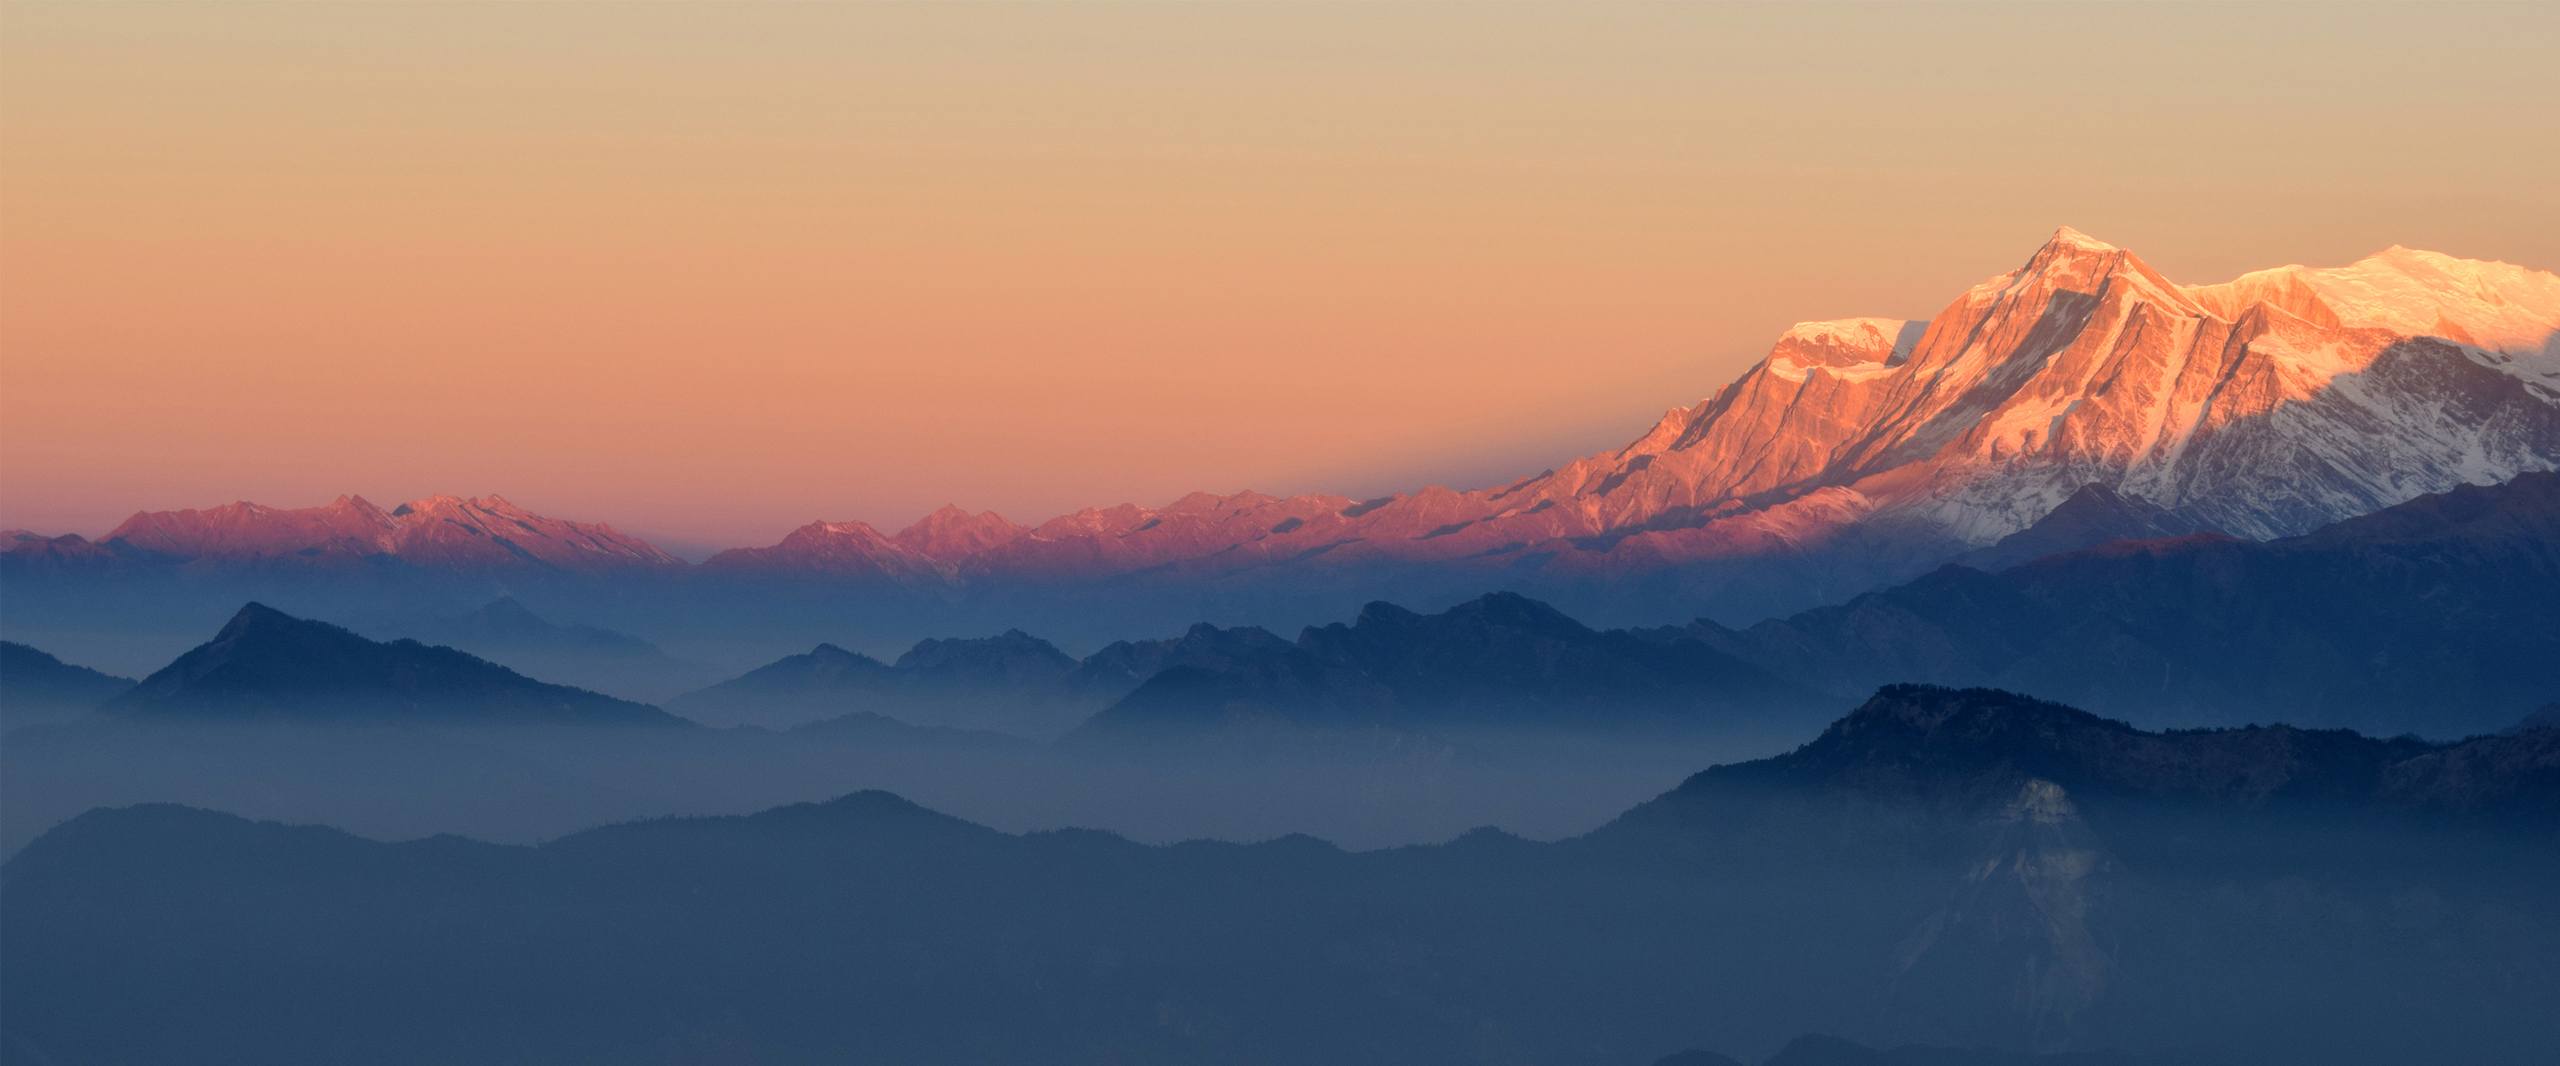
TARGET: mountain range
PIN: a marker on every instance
(2430, 616)
(1857, 453)
(1960, 868)
(1012, 681)
(267, 665)
(442, 532)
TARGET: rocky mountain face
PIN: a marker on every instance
(2432, 615)
(266, 665)
(951, 533)
(1962, 869)
(2093, 516)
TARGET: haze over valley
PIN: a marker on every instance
(1499, 535)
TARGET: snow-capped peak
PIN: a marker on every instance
(2067, 237)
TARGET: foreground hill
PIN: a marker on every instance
(2434, 615)
(267, 665)
(1957, 868)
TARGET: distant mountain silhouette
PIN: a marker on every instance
(1009, 659)
(1499, 661)
(822, 682)
(266, 664)
(1011, 682)
(1122, 666)
(36, 687)
(941, 678)
(506, 632)
(1941, 868)
(2433, 616)
(1019, 683)
(1974, 749)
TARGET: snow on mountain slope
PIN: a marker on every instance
(2269, 404)
(2500, 308)
(835, 550)
(443, 531)
(2261, 406)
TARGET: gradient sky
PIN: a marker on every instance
(708, 272)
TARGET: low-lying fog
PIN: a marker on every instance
(526, 785)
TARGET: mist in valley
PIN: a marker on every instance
(522, 785)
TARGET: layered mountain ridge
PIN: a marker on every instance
(448, 532)
(2431, 614)
(1963, 868)
(1858, 452)
(268, 665)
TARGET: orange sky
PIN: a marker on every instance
(710, 271)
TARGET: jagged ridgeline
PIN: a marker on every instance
(1858, 453)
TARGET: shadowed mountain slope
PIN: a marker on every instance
(266, 664)
(2432, 616)
(36, 687)
(507, 632)
(1010, 682)
(822, 682)
(1501, 661)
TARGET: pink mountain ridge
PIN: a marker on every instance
(438, 531)
(2262, 406)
